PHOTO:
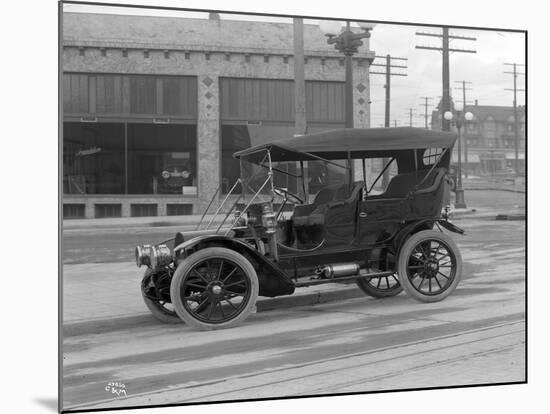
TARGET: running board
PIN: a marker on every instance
(338, 279)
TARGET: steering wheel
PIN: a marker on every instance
(281, 192)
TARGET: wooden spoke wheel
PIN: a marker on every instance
(155, 290)
(380, 287)
(214, 288)
(430, 266)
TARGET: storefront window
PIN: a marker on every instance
(162, 159)
(93, 158)
(234, 138)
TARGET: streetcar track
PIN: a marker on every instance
(327, 360)
(423, 366)
(329, 371)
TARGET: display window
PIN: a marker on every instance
(93, 158)
(129, 158)
(162, 159)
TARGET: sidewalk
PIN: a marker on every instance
(105, 297)
(190, 222)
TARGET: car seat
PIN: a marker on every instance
(317, 216)
(400, 185)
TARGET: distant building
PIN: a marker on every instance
(154, 107)
(488, 144)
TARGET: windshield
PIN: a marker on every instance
(303, 179)
(256, 183)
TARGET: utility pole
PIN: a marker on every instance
(425, 105)
(395, 123)
(410, 117)
(465, 140)
(445, 49)
(299, 78)
(516, 135)
(388, 74)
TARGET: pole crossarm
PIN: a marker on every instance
(391, 66)
(391, 73)
(450, 49)
(430, 48)
(462, 50)
(392, 57)
(450, 36)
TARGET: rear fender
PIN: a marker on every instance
(273, 280)
(450, 226)
(417, 226)
(409, 229)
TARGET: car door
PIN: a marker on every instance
(340, 222)
(379, 219)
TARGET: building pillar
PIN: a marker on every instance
(361, 95)
(208, 139)
(125, 209)
(361, 108)
(161, 208)
(89, 209)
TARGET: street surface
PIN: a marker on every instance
(475, 336)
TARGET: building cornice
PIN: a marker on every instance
(121, 46)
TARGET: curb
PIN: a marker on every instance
(510, 217)
(511, 190)
(102, 325)
(487, 216)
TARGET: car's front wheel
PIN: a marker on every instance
(155, 290)
(430, 266)
(214, 288)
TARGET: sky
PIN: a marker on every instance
(484, 69)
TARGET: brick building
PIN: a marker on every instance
(489, 139)
(155, 106)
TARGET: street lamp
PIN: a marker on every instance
(460, 118)
(346, 42)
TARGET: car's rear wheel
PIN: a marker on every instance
(155, 290)
(380, 287)
(214, 288)
(430, 266)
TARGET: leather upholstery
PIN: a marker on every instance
(317, 216)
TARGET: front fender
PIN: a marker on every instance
(272, 279)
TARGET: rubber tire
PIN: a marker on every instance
(160, 314)
(404, 255)
(211, 252)
(377, 293)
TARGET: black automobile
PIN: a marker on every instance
(309, 210)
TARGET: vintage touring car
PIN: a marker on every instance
(306, 211)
